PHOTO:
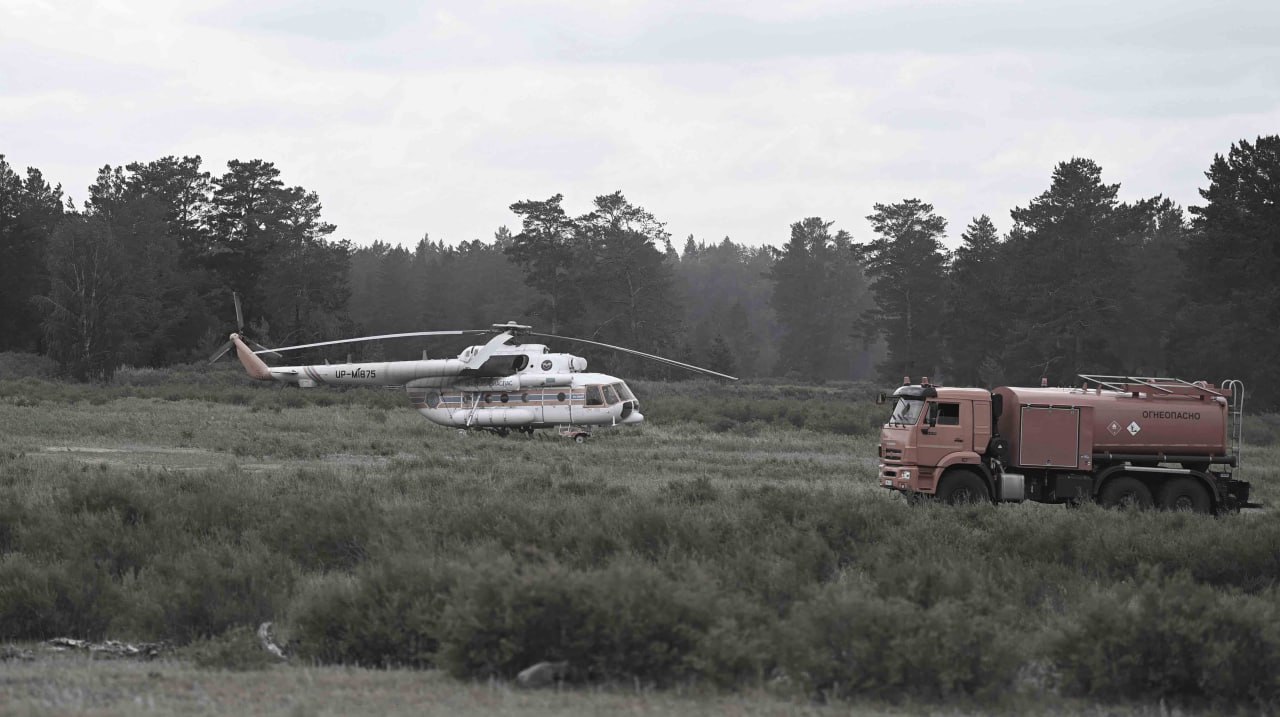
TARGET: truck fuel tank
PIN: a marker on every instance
(1062, 426)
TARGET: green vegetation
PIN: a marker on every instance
(756, 557)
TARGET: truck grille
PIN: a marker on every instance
(893, 454)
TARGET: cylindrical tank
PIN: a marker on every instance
(1129, 424)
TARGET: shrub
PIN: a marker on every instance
(44, 600)
(22, 365)
(237, 649)
(386, 615)
(848, 642)
(326, 531)
(626, 621)
(1172, 638)
(207, 589)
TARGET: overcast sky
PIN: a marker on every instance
(722, 118)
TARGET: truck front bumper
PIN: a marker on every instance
(906, 478)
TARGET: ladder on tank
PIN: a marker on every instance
(1235, 416)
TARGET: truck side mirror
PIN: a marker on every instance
(931, 417)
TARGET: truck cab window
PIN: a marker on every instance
(594, 397)
(948, 414)
(906, 412)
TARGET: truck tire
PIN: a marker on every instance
(963, 487)
(1125, 492)
(1185, 494)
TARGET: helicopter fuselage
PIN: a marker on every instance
(495, 386)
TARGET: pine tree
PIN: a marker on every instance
(974, 329)
(1228, 322)
(907, 266)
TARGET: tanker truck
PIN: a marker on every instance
(1117, 440)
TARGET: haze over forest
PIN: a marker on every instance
(141, 274)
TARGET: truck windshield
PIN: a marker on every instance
(906, 411)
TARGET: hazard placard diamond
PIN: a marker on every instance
(1114, 427)
(1134, 428)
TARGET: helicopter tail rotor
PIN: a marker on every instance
(230, 344)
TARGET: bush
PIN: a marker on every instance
(849, 642)
(207, 589)
(326, 531)
(387, 615)
(627, 621)
(237, 649)
(1172, 638)
(23, 365)
(39, 601)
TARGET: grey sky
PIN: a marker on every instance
(722, 118)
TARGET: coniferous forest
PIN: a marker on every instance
(142, 273)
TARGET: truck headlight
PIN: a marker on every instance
(906, 475)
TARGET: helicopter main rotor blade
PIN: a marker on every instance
(221, 352)
(652, 357)
(260, 349)
(239, 314)
(376, 338)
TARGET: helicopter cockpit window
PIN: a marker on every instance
(611, 396)
(594, 396)
(624, 392)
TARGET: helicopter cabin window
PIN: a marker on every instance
(560, 397)
(594, 396)
(611, 396)
(505, 398)
(433, 399)
(524, 398)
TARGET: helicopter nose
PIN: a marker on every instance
(633, 418)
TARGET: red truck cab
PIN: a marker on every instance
(931, 430)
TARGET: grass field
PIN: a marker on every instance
(732, 556)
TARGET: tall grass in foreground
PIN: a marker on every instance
(670, 554)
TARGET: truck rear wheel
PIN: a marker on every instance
(961, 487)
(1185, 494)
(1125, 492)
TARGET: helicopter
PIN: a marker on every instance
(498, 386)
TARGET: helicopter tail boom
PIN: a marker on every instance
(253, 365)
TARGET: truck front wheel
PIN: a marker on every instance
(1125, 492)
(1185, 494)
(959, 487)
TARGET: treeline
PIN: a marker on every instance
(1083, 283)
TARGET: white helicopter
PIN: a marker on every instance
(498, 386)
